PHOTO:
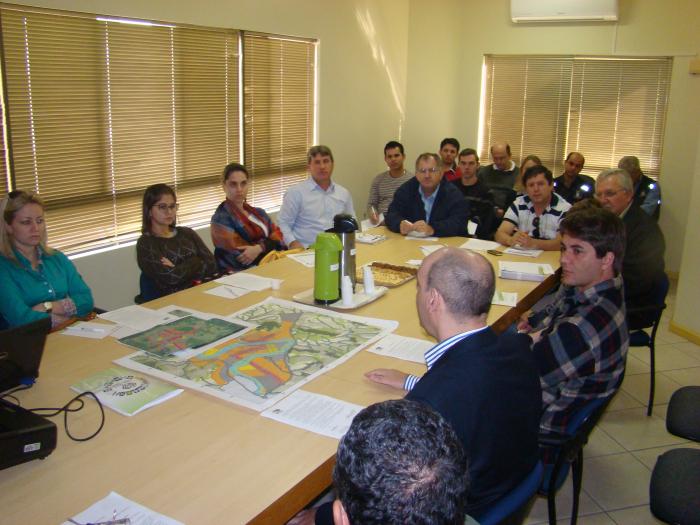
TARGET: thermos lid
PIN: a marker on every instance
(344, 223)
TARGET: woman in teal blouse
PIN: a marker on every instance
(36, 281)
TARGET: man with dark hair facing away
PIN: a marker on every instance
(400, 462)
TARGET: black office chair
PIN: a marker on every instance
(652, 316)
(674, 491)
(567, 450)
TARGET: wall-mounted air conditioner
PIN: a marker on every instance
(563, 10)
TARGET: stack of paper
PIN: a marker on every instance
(524, 252)
(480, 245)
(523, 271)
(369, 238)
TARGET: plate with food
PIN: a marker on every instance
(386, 274)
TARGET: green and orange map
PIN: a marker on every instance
(289, 344)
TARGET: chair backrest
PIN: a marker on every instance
(511, 508)
(650, 314)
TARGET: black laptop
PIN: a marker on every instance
(21, 349)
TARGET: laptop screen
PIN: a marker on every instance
(21, 349)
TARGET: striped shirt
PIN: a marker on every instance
(522, 214)
(581, 353)
(435, 353)
(381, 193)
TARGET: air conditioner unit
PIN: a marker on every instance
(563, 10)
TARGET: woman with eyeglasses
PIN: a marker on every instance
(171, 257)
(241, 233)
(35, 281)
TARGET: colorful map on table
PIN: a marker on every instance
(290, 344)
(186, 332)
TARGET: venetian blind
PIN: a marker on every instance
(278, 79)
(99, 109)
(603, 107)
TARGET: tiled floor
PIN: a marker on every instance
(623, 448)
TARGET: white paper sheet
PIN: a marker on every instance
(401, 347)
(479, 245)
(524, 271)
(414, 262)
(251, 282)
(430, 248)
(115, 506)
(416, 236)
(505, 298)
(523, 252)
(90, 330)
(305, 258)
(314, 412)
(367, 224)
(369, 238)
(136, 316)
(229, 292)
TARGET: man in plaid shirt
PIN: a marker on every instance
(580, 339)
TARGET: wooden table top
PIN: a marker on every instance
(199, 459)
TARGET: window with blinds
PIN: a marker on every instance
(99, 108)
(278, 79)
(604, 107)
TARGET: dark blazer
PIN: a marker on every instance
(488, 388)
(448, 217)
(643, 261)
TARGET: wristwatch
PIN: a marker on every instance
(48, 306)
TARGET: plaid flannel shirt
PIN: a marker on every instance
(581, 354)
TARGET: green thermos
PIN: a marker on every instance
(327, 268)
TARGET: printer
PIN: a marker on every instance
(23, 435)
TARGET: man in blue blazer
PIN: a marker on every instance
(426, 205)
(485, 385)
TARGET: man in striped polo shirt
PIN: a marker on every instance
(384, 185)
(532, 221)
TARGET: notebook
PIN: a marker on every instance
(21, 349)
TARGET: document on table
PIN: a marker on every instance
(430, 248)
(251, 282)
(306, 258)
(523, 252)
(229, 292)
(89, 330)
(314, 412)
(115, 507)
(524, 271)
(369, 238)
(367, 224)
(479, 245)
(136, 316)
(414, 262)
(417, 236)
(401, 347)
(505, 298)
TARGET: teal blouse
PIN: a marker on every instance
(22, 287)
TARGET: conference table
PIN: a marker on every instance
(199, 459)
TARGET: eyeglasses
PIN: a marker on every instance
(536, 226)
(163, 207)
(425, 171)
(608, 194)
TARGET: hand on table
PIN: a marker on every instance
(405, 227)
(294, 245)
(387, 376)
(249, 254)
(521, 239)
(423, 227)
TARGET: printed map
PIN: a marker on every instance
(290, 344)
(186, 332)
